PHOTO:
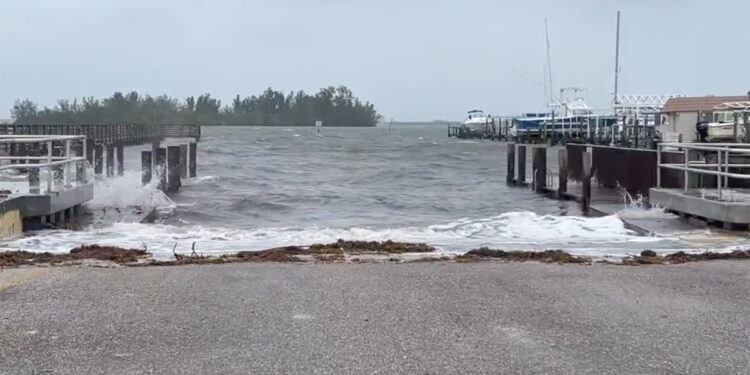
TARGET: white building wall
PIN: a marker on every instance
(683, 123)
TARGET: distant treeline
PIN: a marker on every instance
(332, 106)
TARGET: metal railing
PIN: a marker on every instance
(53, 161)
(705, 165)
(128, 134)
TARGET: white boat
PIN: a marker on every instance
(723, 124)
(477, 124)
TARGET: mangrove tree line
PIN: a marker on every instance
(332, 106)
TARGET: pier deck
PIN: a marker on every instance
(706, 205)
(725, 199)
(45, 184)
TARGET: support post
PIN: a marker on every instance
(161, 167)
(34, 174)
(183, 161)
(89, 151)
(98, 159)
(67, 171)
(50, 169)
(586, 191)
(146, 163)
(510, 178)
(562, 183)
(155, 152)
(120, 159)
(539, 166)
(81, 164)
(110, 160)
(193, 151)
(521, 156)
(173, 169)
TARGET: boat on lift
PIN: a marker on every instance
(477, 125)
(722, 128)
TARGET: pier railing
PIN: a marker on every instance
(31, 164)
(727, 163)
(124, 134)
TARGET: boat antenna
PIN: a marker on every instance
(544, 73)
(617, 56)
(549, 63)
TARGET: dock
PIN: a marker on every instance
(44, 168)
(606, 180)
(716, 183)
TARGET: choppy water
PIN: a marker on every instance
(261, 187)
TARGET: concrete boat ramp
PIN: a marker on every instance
(637, 217)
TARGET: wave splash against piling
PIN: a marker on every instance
(128, 191)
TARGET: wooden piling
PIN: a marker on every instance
(562, 181)
(183, 161)
(586, 191)
(146, 164)
(155, 152)
(98, 159)
(193, 151)
(161, 167)
(110, 160)
(539, 166)
(510, 177)
(521, 156)
(120, 159)
(90, 151)
(173, 169)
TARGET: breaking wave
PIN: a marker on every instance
(127, 191)
(525, 230)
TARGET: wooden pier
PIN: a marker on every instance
(64, 153)
(46, 185)
(105, 142)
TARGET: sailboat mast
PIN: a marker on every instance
(549, 63)
(617, 55)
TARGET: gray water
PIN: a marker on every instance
(367, 177)
(260, 187)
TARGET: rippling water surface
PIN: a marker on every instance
(260, 187)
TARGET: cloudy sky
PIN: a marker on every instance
(416, 60)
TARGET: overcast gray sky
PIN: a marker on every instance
(416, 60)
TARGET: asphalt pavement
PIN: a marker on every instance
(418, 318)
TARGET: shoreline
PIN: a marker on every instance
(344, 252)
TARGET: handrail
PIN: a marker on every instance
(59, 167)
(719, 168)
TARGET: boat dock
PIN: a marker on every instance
(605, 180)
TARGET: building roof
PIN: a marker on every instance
(699, 103)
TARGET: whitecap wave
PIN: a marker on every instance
(520, 230)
